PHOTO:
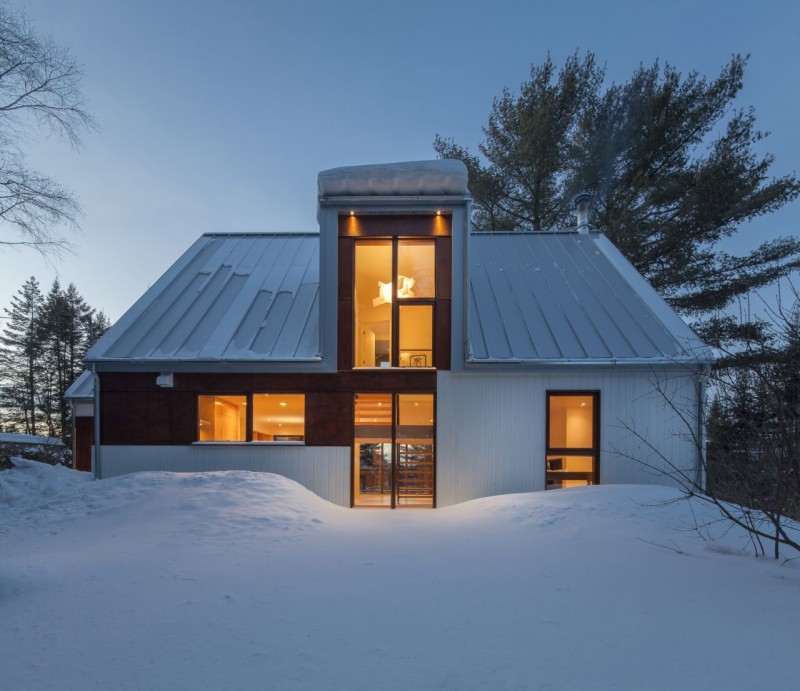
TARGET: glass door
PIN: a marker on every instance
(393, 450)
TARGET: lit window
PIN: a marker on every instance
(394, 308)
(279, 417)
(572, 434)
(272, 417)
(222, 418)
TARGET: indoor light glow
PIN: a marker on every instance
(404, 290)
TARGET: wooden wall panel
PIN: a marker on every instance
(395, 224)
(442, 335)
(135, 411)
(148, 417)
(444, 268)
(344, 335)
(84, 439)
(329, 419)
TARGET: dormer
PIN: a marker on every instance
(392, 253)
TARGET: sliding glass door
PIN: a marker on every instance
(393, 450)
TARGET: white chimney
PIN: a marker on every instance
(581, 202)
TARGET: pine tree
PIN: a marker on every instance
(43, 345)
(70, 326)
(669, 161)
(22, 347)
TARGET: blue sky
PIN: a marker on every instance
(217, 116)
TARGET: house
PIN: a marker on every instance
(397, 359)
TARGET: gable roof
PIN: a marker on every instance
(555, 297)
(230, 297)
(534, 299)
(81, 388)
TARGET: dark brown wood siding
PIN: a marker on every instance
(84, 440)
(395, 225)
(344, 323)
(329, 418)
(135, 411)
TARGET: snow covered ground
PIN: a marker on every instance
(248, 581)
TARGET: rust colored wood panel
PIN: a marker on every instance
(444, 268)
(192, 383)
(148, 418)
(407, 379)
(442, 334)
(395, 225)
(329, 419)
(345, 263)
(84, 440)
(344, 335)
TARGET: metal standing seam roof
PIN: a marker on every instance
(536, 298)
(550, 297)
(82, 387)
(230, 297)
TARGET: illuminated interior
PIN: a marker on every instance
(276, 418)
(399, 473)
(572, 439)
(372, 303)
(222, 418)
(382, 300)
(279, 417)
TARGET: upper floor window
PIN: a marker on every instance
(393, 300)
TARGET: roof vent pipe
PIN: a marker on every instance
(581, 202)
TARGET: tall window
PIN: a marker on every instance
(572, 439)
(394, 297)
(259, 417)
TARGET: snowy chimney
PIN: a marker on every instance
(581, 202)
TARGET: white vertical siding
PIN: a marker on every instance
(324, 470)
(491, 428)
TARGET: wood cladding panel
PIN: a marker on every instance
(395, 225)
(135, 411)
(148, 417)
(344, 335)
(442, 335)
(84, 439)
(444, 268)
(329, 419)
(345, 268)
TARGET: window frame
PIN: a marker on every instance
(248, 440)
(394, 360)
(593, 451)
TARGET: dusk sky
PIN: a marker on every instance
(216, 117)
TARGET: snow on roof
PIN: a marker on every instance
(410, 178)
(554, 297)
(82, 387)
(10, 438)
(230, 297)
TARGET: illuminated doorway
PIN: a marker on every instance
(573, 424)
(393, 450)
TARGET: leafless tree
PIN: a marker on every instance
(750, 463)
(39, 93)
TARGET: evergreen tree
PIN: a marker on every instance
(670, 164)
(43, 346)
(22, 345)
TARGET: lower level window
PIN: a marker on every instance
(279, 417)
(222, 418)
(572, 439)
(259, 417)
